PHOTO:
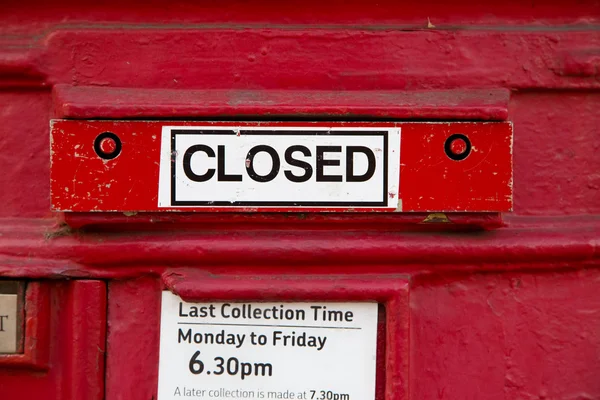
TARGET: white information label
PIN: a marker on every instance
(299, 351)
(279, 167)
(8, 323)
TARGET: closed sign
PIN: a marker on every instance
(213, 166)
(279, 167)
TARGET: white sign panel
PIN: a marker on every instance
(8, 323)
(300, 351)
(280, 167)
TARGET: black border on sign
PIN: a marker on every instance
(383, 203)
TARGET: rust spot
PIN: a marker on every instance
(62, 230)
(436, 218)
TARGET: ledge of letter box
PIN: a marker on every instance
(36, 343)
(393, 292)
(419, 222)
(86, 102)
(194, 285)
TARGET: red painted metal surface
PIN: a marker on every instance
(509, 313)
(65, 336)
(430, 180)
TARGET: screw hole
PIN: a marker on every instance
(457, 147)
(107, 145)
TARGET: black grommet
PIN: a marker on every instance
(107, 145)
(457, 147)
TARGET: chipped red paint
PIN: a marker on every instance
(458, 146)
(81, 180)
(469, 312)
(108, 145)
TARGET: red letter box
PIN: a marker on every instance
(308, 201)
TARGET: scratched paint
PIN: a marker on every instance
(429, 180)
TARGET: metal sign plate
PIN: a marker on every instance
(154, 166)
(320, 351)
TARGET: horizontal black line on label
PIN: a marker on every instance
(279, 203)
(275, 132)
(269, 326)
